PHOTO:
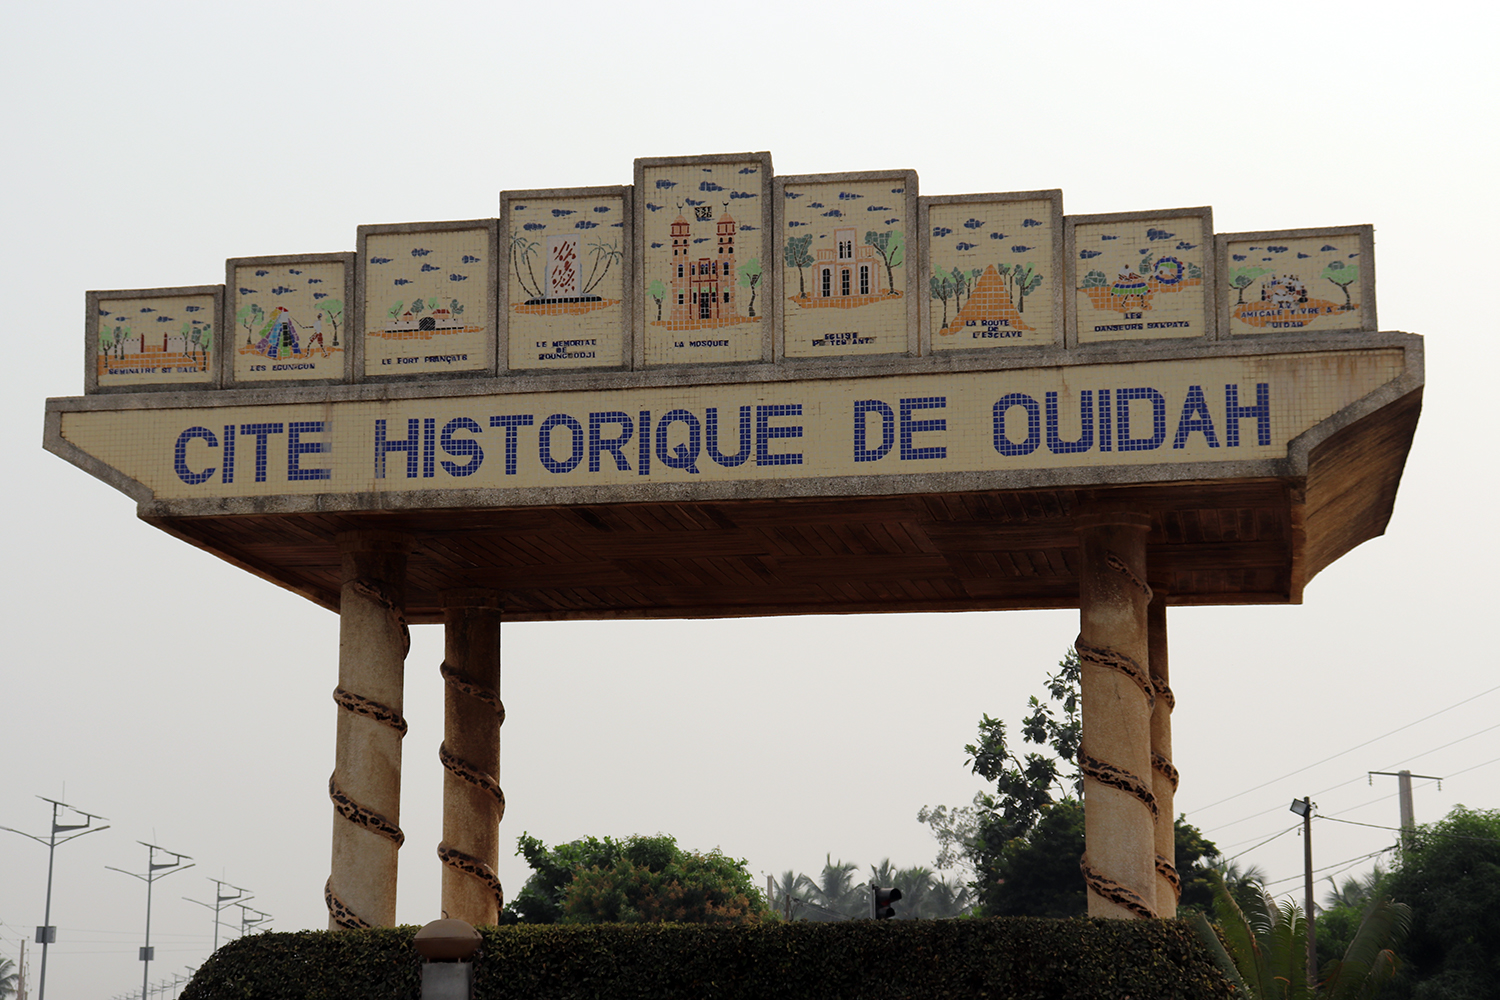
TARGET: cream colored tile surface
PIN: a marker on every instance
(427, 302)
(990, 282)
(290, 322)
(155, 341)
(1148, 413)
(1140, 280)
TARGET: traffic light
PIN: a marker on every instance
(883, 900)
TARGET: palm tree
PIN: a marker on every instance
(833, 893)
(1262, 947)
(8, 978)
(1355, 893)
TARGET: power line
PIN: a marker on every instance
(1263, 843)
(1341, 753)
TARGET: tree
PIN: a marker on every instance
(638, 879)
(1242, 278)
(891, 246)
(1449, 873)
(749, 278)
(657, 291)
(1261, 946)
(9, 978)
(1094, 279)
(798, 256)
(1343, 275)
(1022, 844)
(395, 310)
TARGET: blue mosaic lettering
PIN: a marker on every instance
(1195, 417)
(228, 453)
(1003, 444)
(599, 444)
(682, 456)
(296, 448)
(862, 410)
(1085, 440)
(1123, 440)
(1234, 413)
(711, 438)
(262, 433)
(462, 447)
(511, 422)
(643, 464)
(765, 433)
(180, 462)
(910, 427)
(544, 443)
(383, 446)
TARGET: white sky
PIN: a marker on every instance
(189, 702)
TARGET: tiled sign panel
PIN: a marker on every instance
(992, 274)
(427, 305)
(160, 340)
(845, 249)
(703, 261)
(1144, 413)
(1281, 284)
(1141, 279)
(565, 282)
(290, 321)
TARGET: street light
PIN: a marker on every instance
(151, 876)
(46, 934)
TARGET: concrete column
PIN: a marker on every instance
(473, 803)
(366, 783)
(1163, 774)
(1119, 862)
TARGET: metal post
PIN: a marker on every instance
(1307, 867)
(166, 868)
(46, 932)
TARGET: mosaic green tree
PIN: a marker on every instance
(250, 316)
(891, 246)
(799, 256)
(750, 278)
(657, 291)
(333, 311)
(1024, 281)
(940, 286)
(1242, 278)
(1343, 275)
(1094, 279)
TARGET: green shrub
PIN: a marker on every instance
(1014, 958)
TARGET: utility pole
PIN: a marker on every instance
(46, 934)
(247, 922)
(21, 974)
(219, 900)
(152, 868)
(1304, 808)
(1403, 784)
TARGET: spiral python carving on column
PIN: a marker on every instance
(1111, 775)
(474, 775)
(343, 804)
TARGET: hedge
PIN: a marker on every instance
(1012, 958)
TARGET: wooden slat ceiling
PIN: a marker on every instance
(1219, 542)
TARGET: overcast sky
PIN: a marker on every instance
(188, 701)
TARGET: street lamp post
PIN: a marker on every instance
(46, 933)
(154, 871)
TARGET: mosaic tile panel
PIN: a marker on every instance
(845, 282)
(994, 271)
(703, 228)
(428, 299)
(144, 339)
(1136, 414)
(566, 259)
(1293, 280)
(1141, 276)
(291, 318)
